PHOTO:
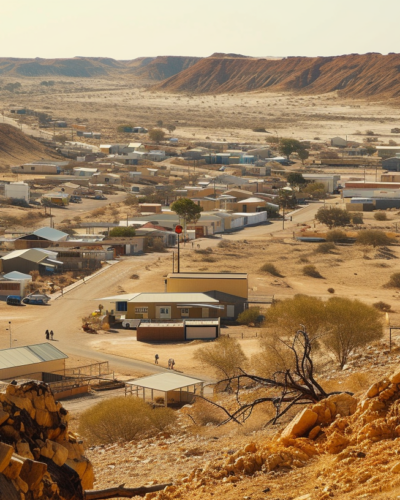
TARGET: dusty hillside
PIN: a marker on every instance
(354, 75)
(17, 147)
(163, 67)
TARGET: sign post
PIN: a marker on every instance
(178, 231)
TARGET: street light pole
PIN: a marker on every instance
(9, 328)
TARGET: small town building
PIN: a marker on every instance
(391, 164)
(164, 306)
(178, 331)
(105, 178)
(37, 168)
(338, 142)
(14, 283)
(388, 151)
(84, 171)
(17, 191)
(32, 259)
(329, 181)
(32, 361)
(54, 198)
(173, 388)
(154, 208)
(18, 110)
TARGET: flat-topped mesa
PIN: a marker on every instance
(39, 456)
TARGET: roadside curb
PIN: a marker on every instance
(69, 288)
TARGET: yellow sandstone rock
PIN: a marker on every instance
(301, 424)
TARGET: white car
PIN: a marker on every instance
(131, 323)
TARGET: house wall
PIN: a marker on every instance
(16, 190)
(8, 287)
(36, 169)
(46, 366)
(160, 333)
(19, 264)
(232, 286)
(133, 311)
(391, 177)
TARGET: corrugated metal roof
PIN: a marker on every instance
(29, 355)
(50, 233)
(125, 297)
(16, 275)
(165, 382)
(31, 254)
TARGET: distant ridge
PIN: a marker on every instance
(150, 68)
(353, 75)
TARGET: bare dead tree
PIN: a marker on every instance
(122, 492)
(296, 385)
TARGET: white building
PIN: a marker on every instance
(17, 190)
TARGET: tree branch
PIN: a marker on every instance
(122, 492)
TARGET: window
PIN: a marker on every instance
(122, 306)
(185, 312)
(32, 168)
(139, 310)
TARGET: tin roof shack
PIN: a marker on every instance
(17, 191)
(204, 329)
(329, 181)
(14, 283)
(230, 289)
(105, 178)
(154, 208)
(164, 306)
(390, 177)
(37, 168)
(29, 260)
(391, 164)
(75, 259)
(31, 360)
(174, 388)
(84, 171)
(53, 198)
(40, 238)
(338, 142)
(17, 110)
(387, 151)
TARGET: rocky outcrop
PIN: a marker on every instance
(40, 458)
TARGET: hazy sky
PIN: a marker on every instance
(125, 29)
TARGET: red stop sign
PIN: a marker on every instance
(178, 229)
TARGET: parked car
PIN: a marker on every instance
(36, 299)
(13, 300)
(131, 323)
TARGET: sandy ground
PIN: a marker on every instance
(103, 103)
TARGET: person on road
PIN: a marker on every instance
(172, 364)
(47, 335)
(169, 363)
(156, 358)
(51, 334)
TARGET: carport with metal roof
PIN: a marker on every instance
(176, 389)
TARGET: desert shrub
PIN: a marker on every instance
(304, 260)
(331, 290)
(204, 251)
(373, 237)
(159, 400)
(382, 306)
(225, 244)
(225, 356)
(394, 281)
(350, 324)
(130, 200)
(259, 129)
(162, 418)
(249, 316)
(335, 235)
(332, 217)
(209, 259)
(311, 270)
(158, 245)
(357, 219)
(380, 216)
(271, 269)
(122, 232)
(204, 413)
(120, 419)
(326, 247)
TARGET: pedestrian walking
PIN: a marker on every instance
(169, 363)
(47, 335)
(156, 358)
(51, 334)
(172, 364)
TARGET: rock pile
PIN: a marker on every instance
(40, 459)
(342, 426)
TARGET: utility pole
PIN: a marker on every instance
(9, 328)
(283, 218)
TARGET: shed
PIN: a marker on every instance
(176, 389)
(32, 360)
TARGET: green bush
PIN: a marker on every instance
(326, 247)
(123, 419)
(311, 270)
(357, 219)
(271, 269)
(373, 237)
(249, 316)
(331, 290)
(336, 235)
(122, 232)
(380, 216)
